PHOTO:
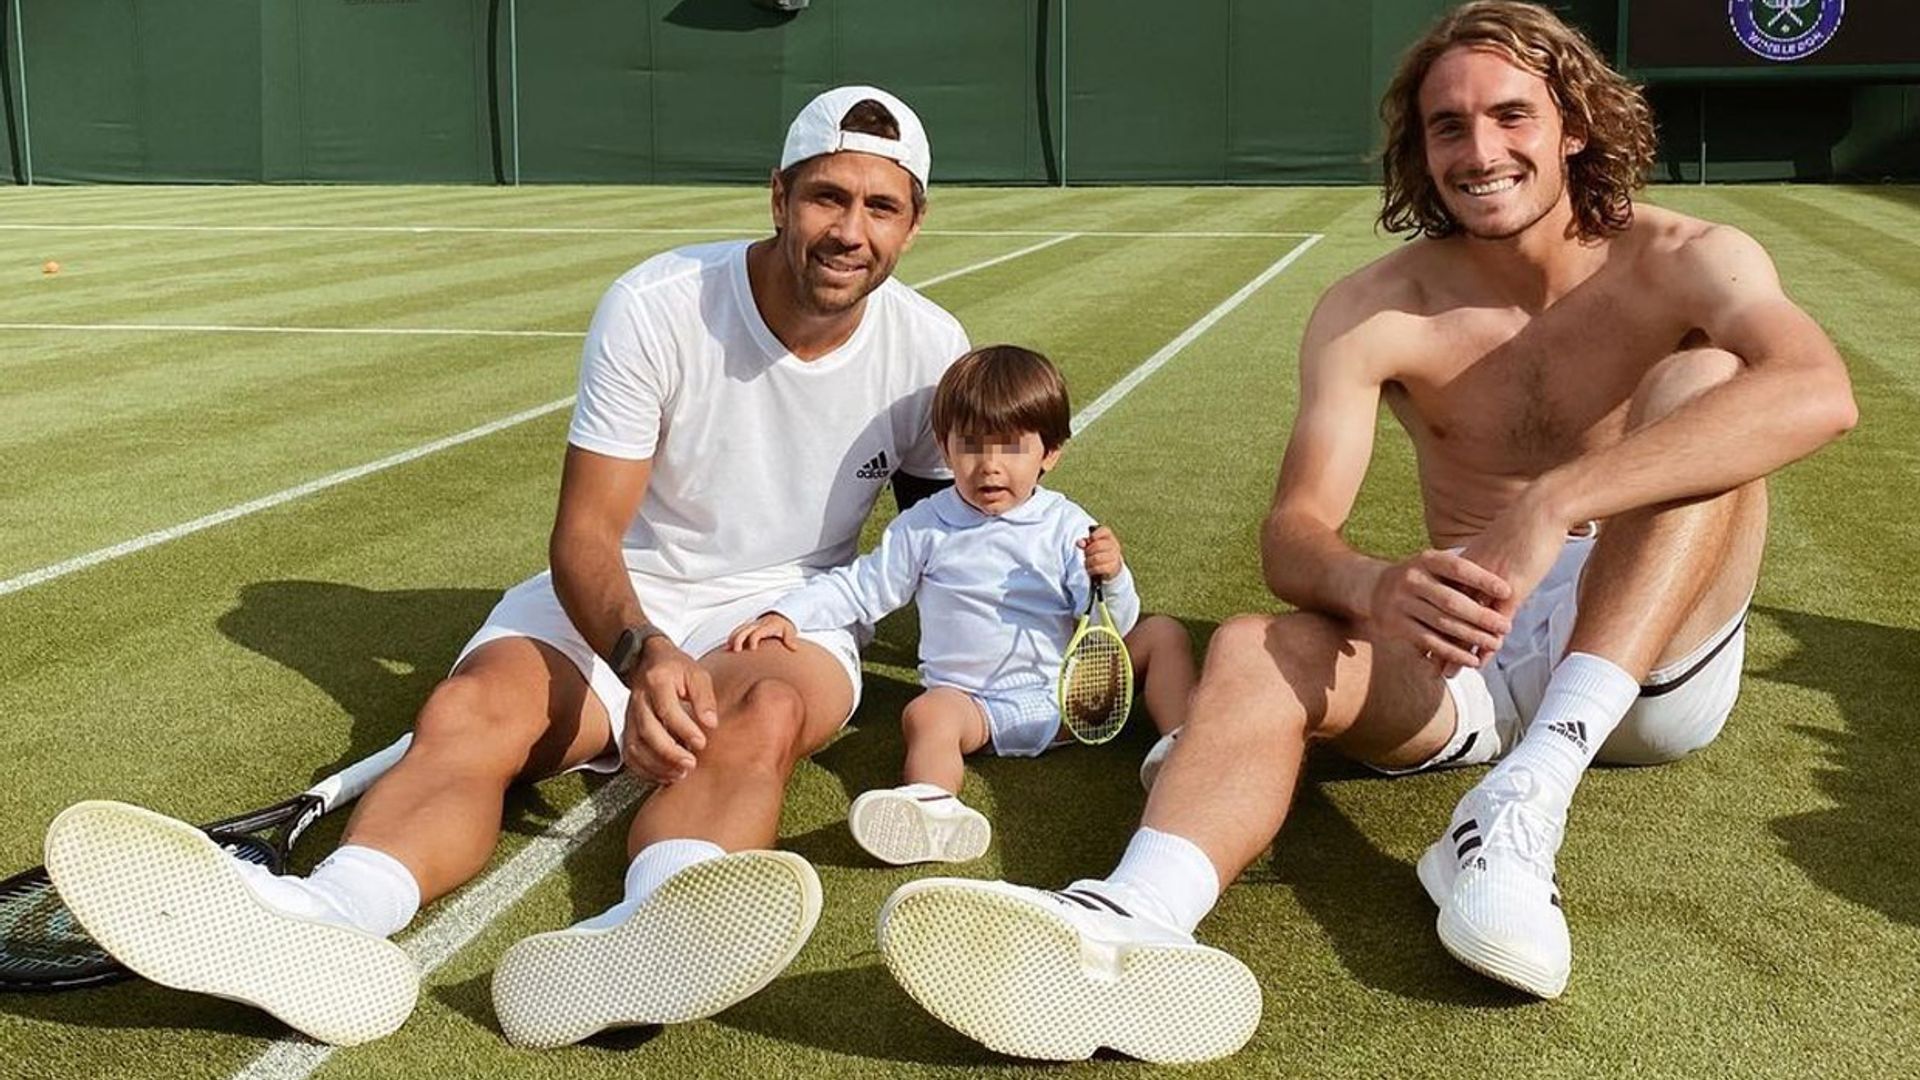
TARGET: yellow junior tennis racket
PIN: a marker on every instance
(1096, 678)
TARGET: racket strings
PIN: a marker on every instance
(1096, 685)
(40, 937)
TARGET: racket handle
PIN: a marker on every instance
(347, 784)
(1099, 593)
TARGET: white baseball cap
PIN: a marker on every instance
(817, 131)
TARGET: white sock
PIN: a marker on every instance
(926, 791)
(360, 887)
(650, 869)
(1172, 874)
(1585, 700)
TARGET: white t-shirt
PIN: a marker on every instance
(764, 465)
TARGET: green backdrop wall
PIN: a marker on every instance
(1013, 91)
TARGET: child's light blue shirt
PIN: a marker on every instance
(998, 594)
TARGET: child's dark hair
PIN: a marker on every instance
(1002, 390)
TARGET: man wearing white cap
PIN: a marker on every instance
(741, 405)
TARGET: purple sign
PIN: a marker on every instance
(1785, 30)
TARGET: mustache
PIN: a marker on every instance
(1479, 175)
(833, 252)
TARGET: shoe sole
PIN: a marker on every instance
(895, 828)
(167, 902)
(1018, 980)
(1468, 946)
(710, 936)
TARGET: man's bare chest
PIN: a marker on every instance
(1506, 391)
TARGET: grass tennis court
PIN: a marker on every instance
(1752, 911)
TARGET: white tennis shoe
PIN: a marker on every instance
(169, 903)
(1156, 757)
(918, 823)
(710, 936)
(1057, 975)
(1492, 877)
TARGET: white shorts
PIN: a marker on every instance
(1681, 707)
(698, 616)
(1022, 723)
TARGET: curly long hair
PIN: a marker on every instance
(1596, 104)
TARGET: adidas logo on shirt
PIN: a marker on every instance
(1571, 729)
(875, 468)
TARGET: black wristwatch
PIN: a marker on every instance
(626, 648)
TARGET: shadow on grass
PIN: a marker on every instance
(136, 1005)
(856, 1011)
(860, 1012)
(378, 654)
(1867, 848)
(1376, 917)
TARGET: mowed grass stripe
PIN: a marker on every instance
(1890, 211)
(333, 394)
(391, 280)
(301, 407)
(142, 456)
(325, 280)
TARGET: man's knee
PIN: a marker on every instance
(1249, 656)
(1678, 379)
(1259, 643)
(466, 719)
(1641, 741)
(763, 730)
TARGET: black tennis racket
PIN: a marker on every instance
(42, 946)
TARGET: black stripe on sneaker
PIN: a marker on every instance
(931, 798)
(1471, 843)
(1110, 905)
(1082, 901)
(1465, 829)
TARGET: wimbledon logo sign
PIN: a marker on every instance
(1785, 30)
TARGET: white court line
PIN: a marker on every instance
(616, 230)
(462, 919)
(1011, 255)
(215, 328)
(436, 331)
(292, 1058)
(268, 502)
(1172, 348)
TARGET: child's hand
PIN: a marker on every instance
(1102, 549)
(771, 625)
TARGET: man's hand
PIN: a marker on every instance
(1445, 605)
(1520, 545)
(772, 626)
(1102, 550)
(670, 689)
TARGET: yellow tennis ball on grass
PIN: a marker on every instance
(52, 267)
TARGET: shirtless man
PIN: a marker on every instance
(1595, 391)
